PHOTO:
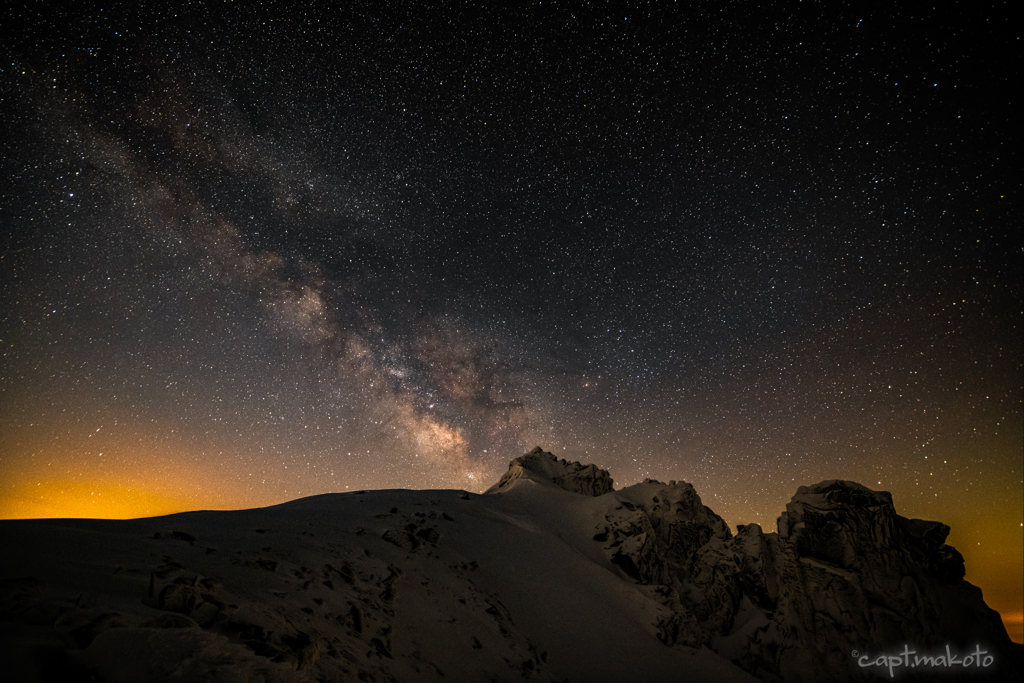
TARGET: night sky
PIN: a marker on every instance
(254, 255)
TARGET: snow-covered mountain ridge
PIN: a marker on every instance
(551, 576)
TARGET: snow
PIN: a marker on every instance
(550, 576)
(513, 585)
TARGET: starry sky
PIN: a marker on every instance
(254, 253)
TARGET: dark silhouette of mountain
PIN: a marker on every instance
(552, 575)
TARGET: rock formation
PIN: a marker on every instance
(555, 576)
(539, 465)
(844, 574)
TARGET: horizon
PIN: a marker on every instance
(1013, 621)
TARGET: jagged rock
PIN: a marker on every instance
(180, 597)
(843, 573)
(402, 538)
(652, 531)
(539, 465)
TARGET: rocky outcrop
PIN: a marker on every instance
(844, 574)
(652, 531)
(853, 575)
(539, 465)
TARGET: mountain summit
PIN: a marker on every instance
(540, 466)
(556, 576)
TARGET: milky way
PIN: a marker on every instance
(256, 255)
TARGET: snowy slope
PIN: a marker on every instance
(550, 576)
(383, 585)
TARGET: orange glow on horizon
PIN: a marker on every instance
(92, 499)
(992, 555)
(1014, 623)
(112, 477)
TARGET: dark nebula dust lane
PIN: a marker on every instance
(253, 254)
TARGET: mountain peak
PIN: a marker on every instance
(539, 465)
